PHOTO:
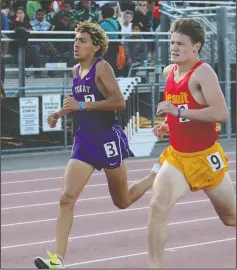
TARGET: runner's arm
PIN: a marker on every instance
(166, 72)
(63, 112)
(217, 109)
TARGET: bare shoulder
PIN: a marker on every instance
(167, 70)
(74, 69)
(204, 72)
(102, 67)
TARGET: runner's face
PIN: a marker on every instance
(83, 46)
(182, 49)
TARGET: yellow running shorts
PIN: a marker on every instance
(202, 170)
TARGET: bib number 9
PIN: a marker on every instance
(111, 149)
(216, 162)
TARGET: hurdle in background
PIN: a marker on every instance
(129, 118)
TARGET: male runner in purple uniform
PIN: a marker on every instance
(98, 142)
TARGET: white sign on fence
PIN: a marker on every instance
(50, 104)
(29, 116)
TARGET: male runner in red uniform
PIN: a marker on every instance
(194, 161)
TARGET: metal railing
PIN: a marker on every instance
(20, 83)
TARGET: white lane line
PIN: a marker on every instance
(100, 213)
(32, 180)
(52, 203)
(145, 253)
(79, 200)
(108, 233)
(31, 192)
(60, 177)
(32, 170)
(63, 167)
(56, 189)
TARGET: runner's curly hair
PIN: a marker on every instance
(98, 35)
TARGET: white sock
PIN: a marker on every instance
(156, 167)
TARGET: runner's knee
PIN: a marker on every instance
(158, 209)
(67, 200)
(122, 204)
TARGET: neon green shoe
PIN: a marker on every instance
(52, 263)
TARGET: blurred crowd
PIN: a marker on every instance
(42, 15)
(122, 16)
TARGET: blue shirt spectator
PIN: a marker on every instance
(109, 24)
(4, 22)
(40, 23)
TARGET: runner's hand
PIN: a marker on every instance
(165, 107)
(53, 119)
(70, 103)
(160, 130)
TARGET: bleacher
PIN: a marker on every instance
(206, 13)
(133, 88)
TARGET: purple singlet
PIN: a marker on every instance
(98, 141)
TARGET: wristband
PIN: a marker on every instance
(81, 105)
(179, 112)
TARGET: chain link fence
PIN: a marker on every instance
(43, 74)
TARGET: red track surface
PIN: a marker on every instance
(102, 235)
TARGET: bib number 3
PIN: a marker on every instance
(89, 98)
(111, 149)
(216, 162)
(183, 107)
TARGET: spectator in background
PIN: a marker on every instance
(126, 24)
(95, 5)
(140, 15)
(86, 13)
(8, 11)
(51, 9)
(32, 7)
(117, 11)
(44, 48)
(57, 5)
(4, 22)
(67, 9)
(31, 53)
(21, 20)
(127, 5)
(135, 52)
(50, 12)
(6, 7)
(63, 24)
(156, 16)
(40, 23)
(64, 49)
(109, 24)
(19, 3)
(150, 9)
